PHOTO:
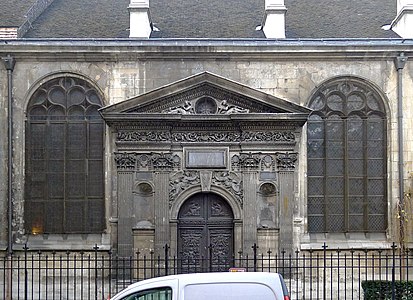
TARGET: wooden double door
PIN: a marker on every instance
(205, 233)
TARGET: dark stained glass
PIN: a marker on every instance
(346, 143)
(64, 159)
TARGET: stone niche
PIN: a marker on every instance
(199, 136)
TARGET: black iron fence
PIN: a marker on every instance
(312, 274)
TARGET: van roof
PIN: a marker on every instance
(264, 277)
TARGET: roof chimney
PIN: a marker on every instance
(274, 19)
(139, 19)
(403, 23)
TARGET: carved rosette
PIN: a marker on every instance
(286, 161)
(147, 161)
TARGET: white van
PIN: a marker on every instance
(209, 286)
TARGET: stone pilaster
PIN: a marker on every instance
(161, 182)
(286, 166)
(250, 210)
(125, 238)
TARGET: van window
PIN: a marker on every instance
(229, 291)
(164, 293)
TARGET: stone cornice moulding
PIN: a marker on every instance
(117, 50)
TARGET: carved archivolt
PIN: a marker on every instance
(150, 161)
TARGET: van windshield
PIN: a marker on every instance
(152, 294)
(229, 291)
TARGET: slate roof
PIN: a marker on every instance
(212, 18)
(12, 12)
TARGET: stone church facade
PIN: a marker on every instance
(205, 146)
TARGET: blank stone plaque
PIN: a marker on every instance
(206, 158)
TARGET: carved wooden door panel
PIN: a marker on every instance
(205, 233)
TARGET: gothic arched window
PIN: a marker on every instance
(64, 190)
(346, 153)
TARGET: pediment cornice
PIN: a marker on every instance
(205, 97)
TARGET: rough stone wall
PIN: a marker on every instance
(3, 156)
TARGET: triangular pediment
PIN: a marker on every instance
(204, 94)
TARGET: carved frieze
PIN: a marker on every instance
(268, 136)
(253, 161)
(147, 161)
(209, 137)
(206, 136)
(247, 161)
(125, 161)
(165, 161)
(228, 137)
(143, 136)
(286, 161)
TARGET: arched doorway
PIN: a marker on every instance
(205, 233)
